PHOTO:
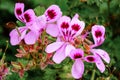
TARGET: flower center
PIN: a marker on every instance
(51, 14)
(27, 17)
(75, 27)
(77, 55)
(18, 11)
(98, 33)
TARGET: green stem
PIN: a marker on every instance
(43, 37)
(3, 57)
(6, 47)
(18, 31)
(93, 75)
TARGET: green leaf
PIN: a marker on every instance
(50, 74)
(19, 23)
(39, 10)
(103, 7)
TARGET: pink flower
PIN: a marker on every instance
(52, 14)
(97, 60)
(78, 66)
(68, 29)
(34, 26)
(26, 17)
(99, 53)
(98, 33)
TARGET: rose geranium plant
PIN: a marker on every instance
(50, 38)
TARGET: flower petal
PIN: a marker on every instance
(77, 26)
(30, 38)
(15, 37)
(53, 13)
(53, 47)
(100, 65)
(59, 38)
(76, 16)
(68, 49)
(103, 54)
(23, 31)
(52, 29)
(19, 8)
(77, 69)
(29, 16)
(39, 24)
(63, 24)
(59, 56)
(98, 33)
(76, 53)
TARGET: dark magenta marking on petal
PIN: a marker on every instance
(75, 27)
(64, 25)
(73, 34)
(77, 55)
(18, 11)
(91, 59)
(69, 32)
(63, 33)
(51, 14)
(66, 33)
(27, 17)
(98, 33)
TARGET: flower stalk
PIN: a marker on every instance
(93, 75)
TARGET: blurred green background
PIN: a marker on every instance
(104, 12)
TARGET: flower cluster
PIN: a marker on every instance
(70, 40)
